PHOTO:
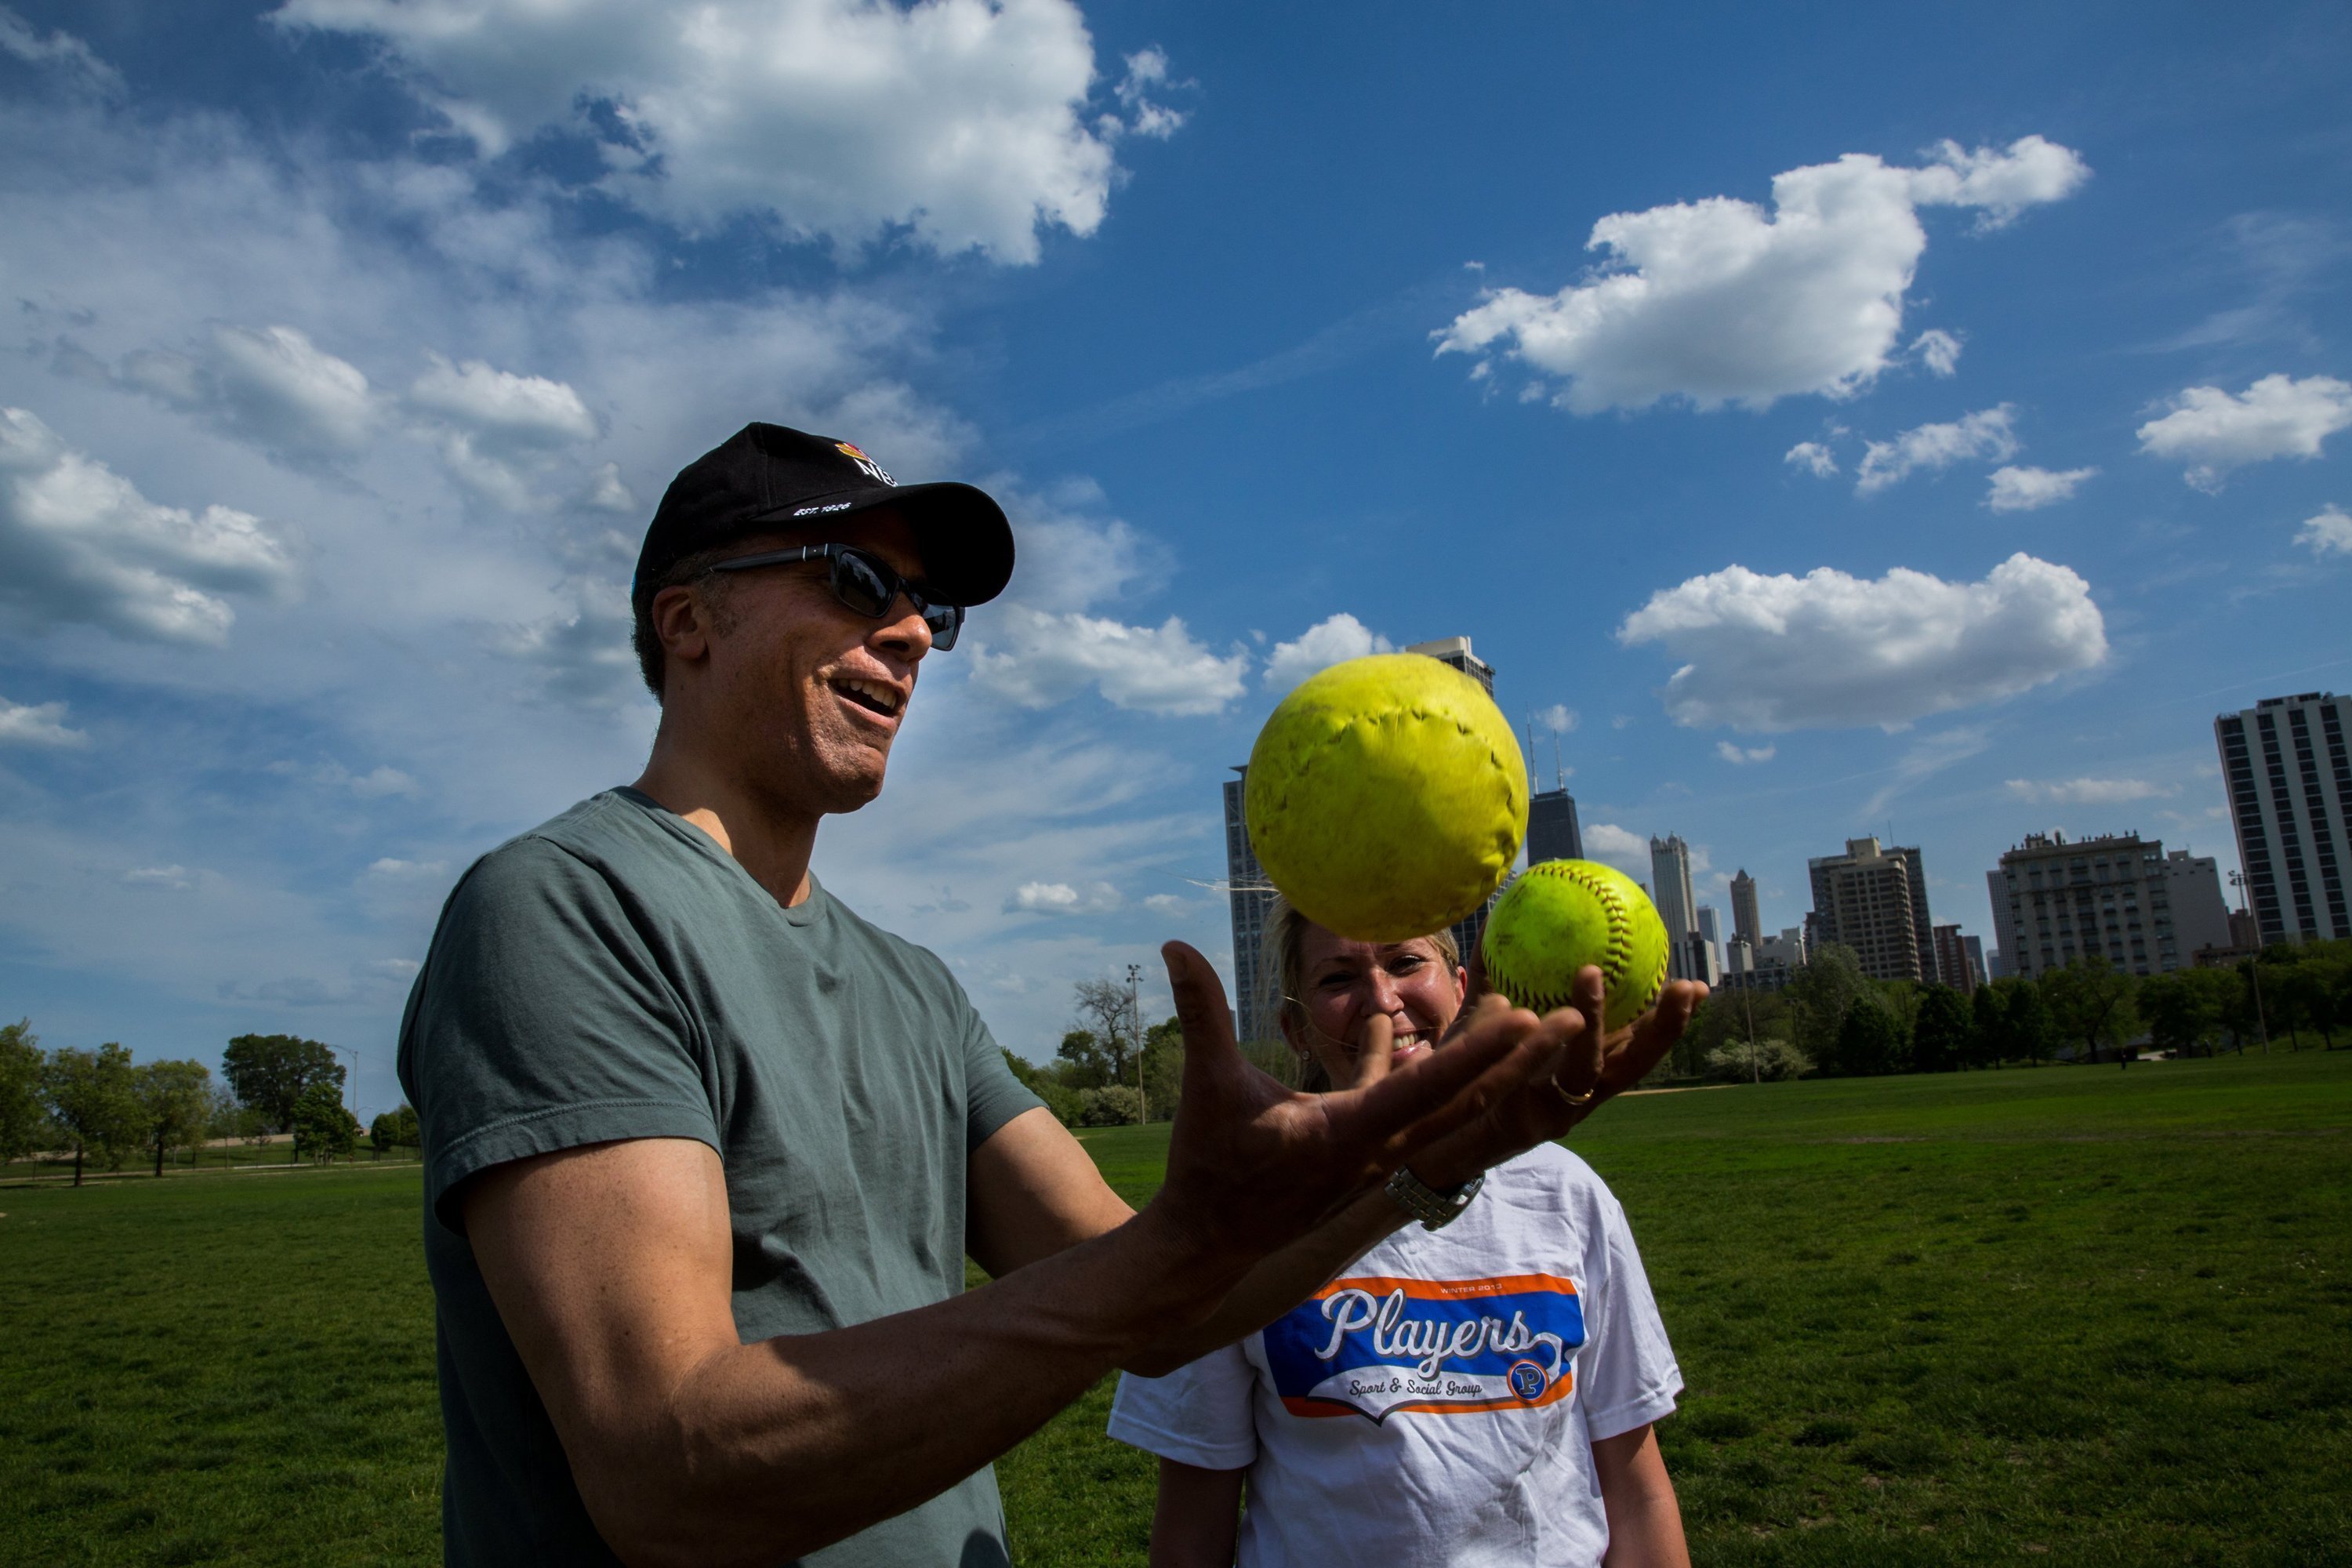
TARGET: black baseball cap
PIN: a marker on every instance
(766, 476)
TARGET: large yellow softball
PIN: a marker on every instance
(1564, 914)
(1386, 797)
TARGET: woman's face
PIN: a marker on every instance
(1346, 984)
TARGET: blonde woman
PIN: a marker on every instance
(1480, 1393)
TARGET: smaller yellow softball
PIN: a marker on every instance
(1561, 915)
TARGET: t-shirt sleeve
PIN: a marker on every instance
(1628, 1371)
(542, 1022)
(992, 1096)
(1198, 1415)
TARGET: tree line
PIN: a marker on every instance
(102, 1109)
(1833, 1019)
(1110, 1070)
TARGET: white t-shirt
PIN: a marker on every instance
(1438, 1402)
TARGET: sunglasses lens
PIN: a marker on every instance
(945, 621)
(861, 587)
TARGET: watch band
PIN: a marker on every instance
(1435, 1208)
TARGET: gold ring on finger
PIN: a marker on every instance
(1574, 1101)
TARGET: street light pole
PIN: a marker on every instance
(2253, 964)
(1135, 1032)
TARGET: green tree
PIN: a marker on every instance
(271, 1072)
(2091, 1003)
(94, 1103)
(2027, 1029)
(398, 1129)
(1085, 1063)
(1059, 1098)
(324, 1127)
(1989, 1032)
(1819, 996)
(175, 1099)
(2309, 993)
(2183, 1009)
(1870, 1038)
(1113, 1105)
(1943, 1033)
(1163, 1069)
(23, 1122)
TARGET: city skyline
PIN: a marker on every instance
(1929, 456)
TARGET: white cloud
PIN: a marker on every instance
(1739, 757)
(59, 50)
(271, 386)
(2027, 490)
(499, 428)
(1062, 899)
(2329, 530)
(581, 654)
(1813, 458)
(1167, 903)
(2277, 416)
(1037, 658)
(1939, 350)
(1147, 73)
(1829, 650)
(158, 877)
(506, 411)
(1999, 184)
(968, 122)
(1560, 719)
(1325, 643)
(80, 543)
(1617, 846)
(392, 869)
(36, 724)
(2084, 792)
(1923, 759)
(1983, 436)
(377, 783)
(1718, 301)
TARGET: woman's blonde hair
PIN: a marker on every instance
(1285, 966)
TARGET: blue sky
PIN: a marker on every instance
(1882, 420)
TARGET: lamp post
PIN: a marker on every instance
(1135, 1032)
(2253, 964)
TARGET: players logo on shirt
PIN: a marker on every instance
(1372, 1346)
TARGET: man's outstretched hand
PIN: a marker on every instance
(1252, 1165)
(1591, 1068)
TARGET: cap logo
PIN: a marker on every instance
(866, 465)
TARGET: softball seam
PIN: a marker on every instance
(1618, 955)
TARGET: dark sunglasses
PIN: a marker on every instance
(862, 583)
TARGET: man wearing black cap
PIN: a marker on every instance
(705, 1151)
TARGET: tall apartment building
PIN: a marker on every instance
(1552, 830)
(2108, 897)
(1953, 966)
(2201, 917)
(1710, 931)
(1670, 891)
(1250, 898)
(1743, 922)
(1455, 651)
(1873, 899)
(2290, 781)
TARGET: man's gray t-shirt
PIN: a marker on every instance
(613, 973)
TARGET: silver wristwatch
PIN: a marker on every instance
(1434, 1208)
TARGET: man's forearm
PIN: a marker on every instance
(1279, 1282)
(771, 1450)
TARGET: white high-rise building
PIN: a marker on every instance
(1670, 882)
(2201, 917)
(2283, 762)
(2055, 900)
(1873, 899)
(1250, 899)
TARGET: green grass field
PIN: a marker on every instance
(2081, 1316)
